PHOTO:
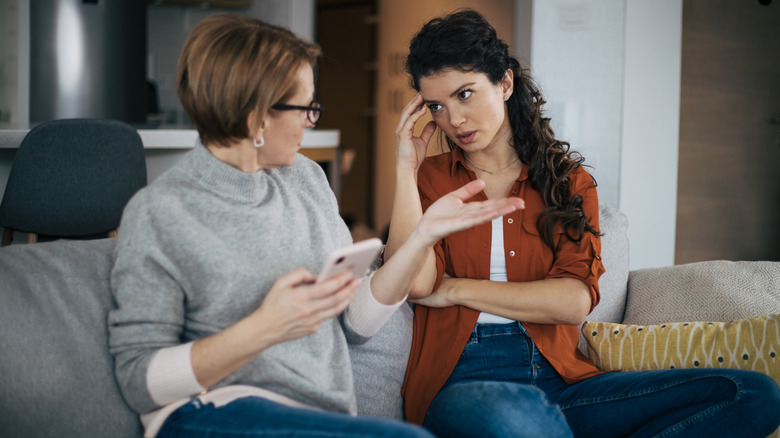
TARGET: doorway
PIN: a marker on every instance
(346, 82)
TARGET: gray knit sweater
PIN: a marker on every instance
(198, 250)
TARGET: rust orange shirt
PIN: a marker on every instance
(440, 334)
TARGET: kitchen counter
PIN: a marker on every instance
(173, 137)
(165, 145)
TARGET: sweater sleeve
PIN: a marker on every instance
(365, 315)
(149, 313)
(170, 376)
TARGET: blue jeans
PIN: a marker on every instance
(502, 386)
(255, 417)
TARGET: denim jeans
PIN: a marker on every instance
(502, 386)
(256, 417)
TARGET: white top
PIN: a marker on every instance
(497, 269)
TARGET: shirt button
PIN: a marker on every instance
(511, 253)
(509, 221)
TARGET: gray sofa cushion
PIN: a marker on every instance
(379, 367)
(717, 290)
(56, 376)
(614, 257)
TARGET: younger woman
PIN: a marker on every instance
(494, 351)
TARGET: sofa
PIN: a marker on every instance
(56, 376)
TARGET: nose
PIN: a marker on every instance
(457, 118)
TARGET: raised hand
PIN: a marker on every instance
(411, 150)
(451, 212)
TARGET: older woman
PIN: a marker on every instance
(220, 329)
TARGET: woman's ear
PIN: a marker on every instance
(507, 83)
(255, 126)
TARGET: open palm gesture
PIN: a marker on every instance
(452, 213)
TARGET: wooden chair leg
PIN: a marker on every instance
(32, 238)
(8, 236)
(113, 233)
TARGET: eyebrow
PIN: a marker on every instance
(454, 93)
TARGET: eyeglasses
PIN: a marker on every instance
(313, 111)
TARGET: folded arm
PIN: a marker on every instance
(566, 294)
(548, 301)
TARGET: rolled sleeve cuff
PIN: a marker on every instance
(365, 315)
(170, 376)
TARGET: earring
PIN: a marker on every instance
(506, 98)
(259, 144)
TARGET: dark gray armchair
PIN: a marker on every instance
(72, 178)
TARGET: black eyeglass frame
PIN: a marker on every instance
(313, 110)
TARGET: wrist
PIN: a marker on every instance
(451, 289)
(405, 171)
(419, 240)
(261, 331)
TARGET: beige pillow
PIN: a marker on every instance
(751, 344)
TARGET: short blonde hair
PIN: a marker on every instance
(232, 65)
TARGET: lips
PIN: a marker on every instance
(466, 137)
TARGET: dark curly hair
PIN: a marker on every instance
(465, 41)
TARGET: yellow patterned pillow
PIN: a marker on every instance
(751, 344)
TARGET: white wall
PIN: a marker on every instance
(610, 71)
(651, 119)
(578, 62)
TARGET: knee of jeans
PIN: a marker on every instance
(762, 390)
(495, 409)
(757, 397)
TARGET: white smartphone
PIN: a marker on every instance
(356, 258)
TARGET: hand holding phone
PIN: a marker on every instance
(356, 258)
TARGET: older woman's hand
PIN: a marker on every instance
(296, 306)
(451, 213)
(412, 267)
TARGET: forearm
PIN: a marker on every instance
(548, 301)
(406, 214)
(180, 371)
(407, 210)
(400, 275)
(217, 356)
